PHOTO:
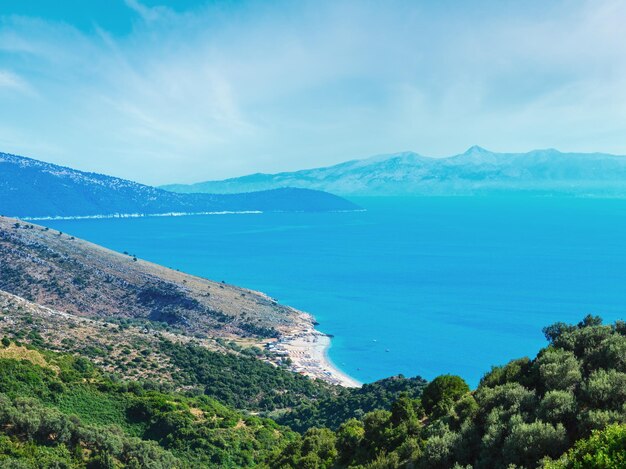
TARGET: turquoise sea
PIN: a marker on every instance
(419, 286)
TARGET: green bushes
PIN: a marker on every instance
(521, 414)
(605, 449)
(240, 381)
(71, 415)
(558, 369)
(63, 441)
(442, 393)
(527, 443)
(558, 406)
(332, 409)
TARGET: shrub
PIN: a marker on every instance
(440, 394)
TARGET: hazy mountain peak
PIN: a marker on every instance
(400, 156)
(477, 170)
(32, 188)
(476, 150)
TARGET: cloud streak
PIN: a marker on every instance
(13, 82)
(225, 89)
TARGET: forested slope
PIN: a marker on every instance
(563, 409)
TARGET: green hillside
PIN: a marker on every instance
(566, 408)
(520, 415)
(60, 411)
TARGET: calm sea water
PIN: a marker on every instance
(419, 286)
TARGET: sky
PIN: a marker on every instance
(189, 90)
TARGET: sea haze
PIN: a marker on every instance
(419, 286)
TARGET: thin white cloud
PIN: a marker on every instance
(240, 87)
(13, 82)
(148, 14)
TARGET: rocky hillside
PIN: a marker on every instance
(76, 277)
(237, 372)
(477, 171)
(32, 188)
(108, 344)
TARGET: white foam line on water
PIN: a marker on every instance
(142, 215)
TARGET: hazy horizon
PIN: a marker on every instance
(179, 92)
(200, 179)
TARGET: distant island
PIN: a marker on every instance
(476, 172)
(34, 189)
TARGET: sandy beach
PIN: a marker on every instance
(307, 348)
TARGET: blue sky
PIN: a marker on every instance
(192, 90)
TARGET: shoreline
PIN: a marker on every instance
(139, 215)
(164, 214)
(308, 350)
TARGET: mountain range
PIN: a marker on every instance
(32, 188)
(477, 171)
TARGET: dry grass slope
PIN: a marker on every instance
(15, 352)
(73, 276)
(130, 351)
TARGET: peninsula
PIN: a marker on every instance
(81, 280)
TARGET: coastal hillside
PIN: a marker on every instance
(477, 171)
(563, 409)
(60, 411)
(74, 277)
(236, 372)
(35, 189)
(56, 270)
(61, 407)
